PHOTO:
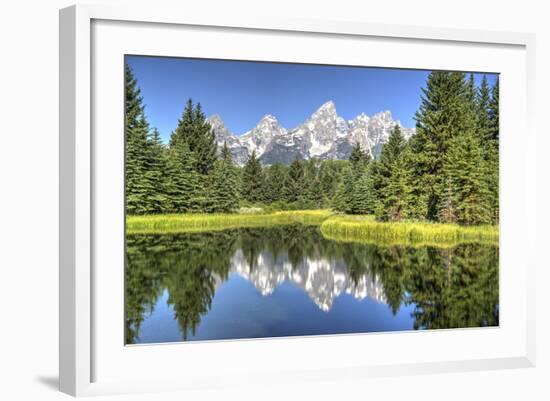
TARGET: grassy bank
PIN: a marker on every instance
(366, 229)
(200, 222)
(336, 227)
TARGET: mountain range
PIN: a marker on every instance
(324, 135)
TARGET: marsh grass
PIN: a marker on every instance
(343, 228)
(201, 222)
(366, 229)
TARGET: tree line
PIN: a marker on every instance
(446, 172)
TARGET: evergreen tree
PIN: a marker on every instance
(359, 159)
(482, 100)
(344, 198)
(274, 182)
(252, 179)
(294, 181)
(392, 175)
(494, 112)
(224, 186)
(206, 146)
(444, 114)
(182, 185)
(365, 195)
(466, 191)
(492, 153)
(198, 135)
(155, 198)
(137, 185)
(311, 197)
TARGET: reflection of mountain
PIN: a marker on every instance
(322, 279)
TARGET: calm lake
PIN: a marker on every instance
(291, 281)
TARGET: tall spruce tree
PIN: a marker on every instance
(194, 130)
(156, 199)
(182, 184)
(223, 191)
(466, 193)
(206, 146)
(494, 111)
(393, 179)
(252, 184)
(482, 101)
(344, 199)
(137, 184)
(274, 182)
(445, 113)
(294, 181)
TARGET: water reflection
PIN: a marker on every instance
(418, 288)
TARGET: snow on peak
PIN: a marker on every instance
(324, 134)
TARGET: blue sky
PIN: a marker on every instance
(243, 92)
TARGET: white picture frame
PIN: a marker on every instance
(82, 210)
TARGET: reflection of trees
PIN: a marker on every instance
(457, 288)
(188, 266)
(449, 288)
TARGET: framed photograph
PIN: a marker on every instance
(285, 200)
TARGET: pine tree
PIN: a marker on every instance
(182, 185)
(344, 198)
(252, 179)
(294, 181)
(466, 191)
(445, 113)
(365, 196)
(492, 155)
(393, 182)
(482, 101)
(137, 186)
(274, 182)
(223, 191)
(494, 112)
(206, 146)
(194, 130)
(156, 200)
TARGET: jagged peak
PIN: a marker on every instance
(383, 115)
(328, 106)
(269, 118)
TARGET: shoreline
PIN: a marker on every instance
(337, 227)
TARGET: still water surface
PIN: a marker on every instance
(291, 281)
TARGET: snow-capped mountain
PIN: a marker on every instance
(324, 135)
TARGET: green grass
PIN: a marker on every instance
(366, 229)
(343, 228)
(201, 222)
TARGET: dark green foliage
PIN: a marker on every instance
(446, 111)
(493, 112)
(274, 182)
(223, 191)
(198, 135)
(182, 188)
(156, 200)
(359, 159)
(466, 192)
(294, 184)
(252, 184)
(144, 156)
(391, 180)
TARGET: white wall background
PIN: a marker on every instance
(29, 199)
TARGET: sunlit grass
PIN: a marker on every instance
(366, 229)
(345, 228)
(201, 222)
